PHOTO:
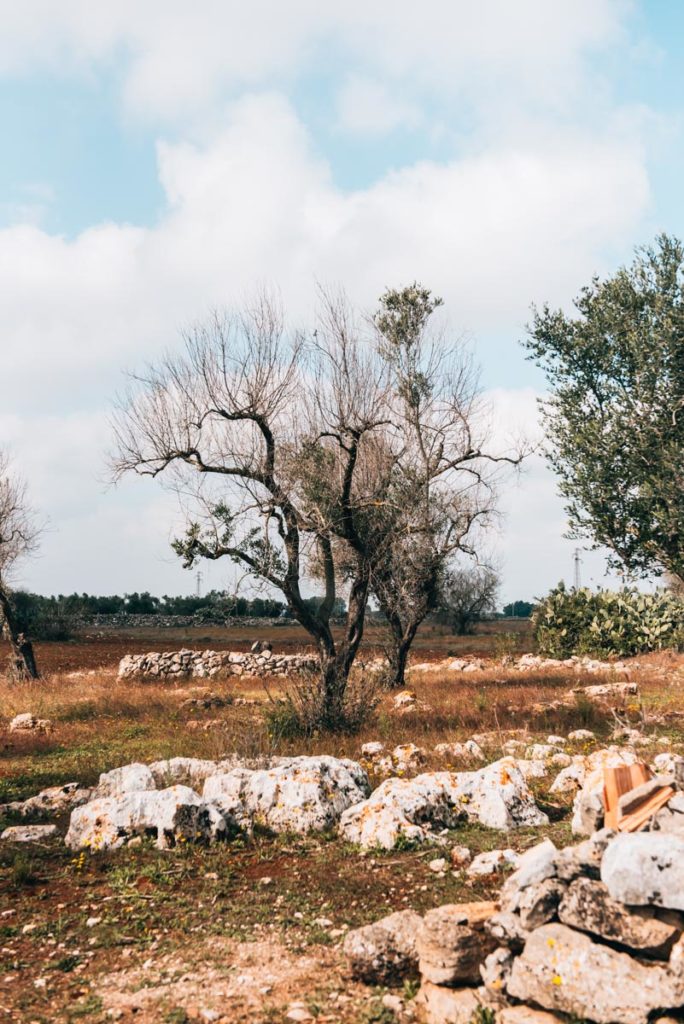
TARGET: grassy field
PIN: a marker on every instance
(243, 929)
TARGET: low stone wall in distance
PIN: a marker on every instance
(210, 664)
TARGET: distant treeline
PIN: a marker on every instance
(518, 610)
(55, 617)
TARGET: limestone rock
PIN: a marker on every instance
(588, 907)
(538, 903)
(460, 857)
(581, 736)
(168, 816)
(526, 1015)
(301, 794)
(645, 867)
(561, 969)
(28, 833)
(384, 952)
(404, 809)
(408, 757)
(588, 812)
(535, 865)
(129, 778)
(507, 929)
(452, 943)
(183, 771)
(28, 722)
(585, 858)
(50, 801)
(495, 971)
(491, 861)
(448, 1005)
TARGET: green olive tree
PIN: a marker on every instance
(615, 414)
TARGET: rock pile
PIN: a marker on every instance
(185, 664)
(593, 932)
(191, 800)
(589, 809)
(415, 810)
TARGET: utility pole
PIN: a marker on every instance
(578, 575)
(199, 583)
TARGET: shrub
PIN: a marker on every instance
(605, 623)
(301, 711)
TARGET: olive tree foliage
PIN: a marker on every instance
(19, 534)
(467, 595)
(276, 429)
(615, 415)
(442, 489)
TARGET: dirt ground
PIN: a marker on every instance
(241, 931)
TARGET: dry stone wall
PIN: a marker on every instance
(185, 664)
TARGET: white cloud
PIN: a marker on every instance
(180, 58)
(490, 232)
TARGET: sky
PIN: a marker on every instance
(161, 159)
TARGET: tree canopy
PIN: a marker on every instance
(615, 415)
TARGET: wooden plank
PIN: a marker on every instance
(638, 817)
(617, 781)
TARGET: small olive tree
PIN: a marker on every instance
(273, 427)
(18, 538)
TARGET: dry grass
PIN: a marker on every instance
(101, 722)
(196, 913)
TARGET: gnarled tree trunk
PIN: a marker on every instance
(22, 662)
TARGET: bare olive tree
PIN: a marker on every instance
(18, 537)
(273, 427)
(442, 468)
(467, 595)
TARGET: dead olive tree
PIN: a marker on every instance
(467, 595)
(273, 428)
(440, 466)
(18, 537)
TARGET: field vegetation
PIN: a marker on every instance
(245, 929)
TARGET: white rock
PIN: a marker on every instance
(556, 741)
(53, 800)
(384, 951)
(532, 769)
(563, 970)
(438, 865)
(534, 865)
(570, 778)
(540, 751)
(130, 778)
(28, 833)
(498, 797)
(168, 816)
(403, 810)
(28, 722)
(490, 862)
(184, 771)
(581, 736)
(373, 749)
(645, 868)
(407, 756)
(302, 794)
(460, 856)
(399, 809)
